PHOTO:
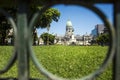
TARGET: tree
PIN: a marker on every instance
(93, 42)
(103, 39)
(35, 37)
(47, 17)
(51, 37)
(43, 21)
(48, 28)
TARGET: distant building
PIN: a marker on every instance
(71, 39)
(10, 37)
(40, 41)
(106, 30)
(94, 32)
(69, 34)
(99, 29)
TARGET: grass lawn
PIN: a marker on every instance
(64, 61)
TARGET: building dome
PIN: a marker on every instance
(69, 23)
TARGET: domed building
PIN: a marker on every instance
(69, 34)
(69, 29)
(70, 38)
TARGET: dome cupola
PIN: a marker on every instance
(69, 23)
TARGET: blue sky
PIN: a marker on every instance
(83, 19)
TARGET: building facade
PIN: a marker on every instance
(99, 29)
(70, 39)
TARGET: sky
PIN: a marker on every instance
(83, 19)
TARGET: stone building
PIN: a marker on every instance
(70, 39)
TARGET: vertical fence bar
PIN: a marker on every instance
(117, 55)
(22, 41)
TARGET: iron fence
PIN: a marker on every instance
(23, 51)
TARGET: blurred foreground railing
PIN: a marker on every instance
(23, 35)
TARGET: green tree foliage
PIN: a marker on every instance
(45, 37)
(103, 39)
(43, 21)
(47, 17)
(93, 42)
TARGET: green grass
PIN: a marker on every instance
(64, 61)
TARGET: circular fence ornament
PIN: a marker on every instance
(91, 7)
(14, 56)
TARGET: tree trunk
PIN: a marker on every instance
(48, 28)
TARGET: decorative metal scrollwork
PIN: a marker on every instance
(14, 56)
(111, 50)
(27, 39)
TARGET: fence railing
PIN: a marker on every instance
(23, 35)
